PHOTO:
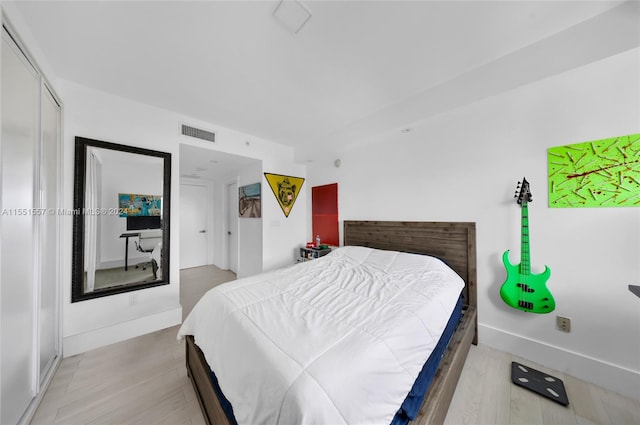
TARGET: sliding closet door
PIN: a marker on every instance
(49, 260)
(20, 132)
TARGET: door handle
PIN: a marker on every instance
(203, 231)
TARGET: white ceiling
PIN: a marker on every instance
(353, 68)
(200, 163)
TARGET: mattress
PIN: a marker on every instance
(340, 339)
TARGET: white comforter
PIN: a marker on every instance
(340, 339)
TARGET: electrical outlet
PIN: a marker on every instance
(133, 299)
(563, 323)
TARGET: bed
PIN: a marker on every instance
(451, 242)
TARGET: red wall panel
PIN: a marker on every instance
(324, 213)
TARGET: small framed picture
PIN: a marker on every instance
(249, 201)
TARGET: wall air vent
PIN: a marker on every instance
(198, 133)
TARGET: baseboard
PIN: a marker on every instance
(76, 344)
(612, 377)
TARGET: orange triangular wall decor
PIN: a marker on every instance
(285, 189)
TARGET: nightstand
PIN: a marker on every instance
(307, 254)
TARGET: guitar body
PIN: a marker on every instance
(526, 292)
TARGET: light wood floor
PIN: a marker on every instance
(143, 381)
(194, 282)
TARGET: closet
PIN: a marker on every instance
(30, 152)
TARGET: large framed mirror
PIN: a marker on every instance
(121, 219)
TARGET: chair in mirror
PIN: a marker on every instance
(121, 219)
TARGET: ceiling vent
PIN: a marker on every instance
(198, 133)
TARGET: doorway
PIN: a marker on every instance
(232, 226)
(216, 170)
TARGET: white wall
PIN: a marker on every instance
(463, 166)
(88, 324)
(250, 230)
(98, 115)
(283, 236)
(1, 203)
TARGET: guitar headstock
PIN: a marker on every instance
(523, 193)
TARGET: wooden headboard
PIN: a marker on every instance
(454, 242)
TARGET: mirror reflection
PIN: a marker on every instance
(128, 188)
(121, 232)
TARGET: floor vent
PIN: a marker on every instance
(198, 133)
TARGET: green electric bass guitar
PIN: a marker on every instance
(523, 290)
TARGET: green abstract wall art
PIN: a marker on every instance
(601, 173)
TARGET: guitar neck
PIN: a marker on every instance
(525, 260)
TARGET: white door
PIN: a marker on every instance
(232, 225)
(20, 106)
(48, 335)
(194, 236)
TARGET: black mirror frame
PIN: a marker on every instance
(77, 261)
